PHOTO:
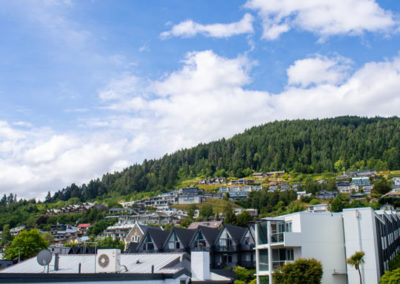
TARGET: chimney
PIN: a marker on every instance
(200, 265)
(56, 261)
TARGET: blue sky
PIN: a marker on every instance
(89, 87)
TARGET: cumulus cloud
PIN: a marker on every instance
(206, 99)
(318, 70)
(190, 29)
(325, 18)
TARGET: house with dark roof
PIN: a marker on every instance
(178, 240)
(234, 246)
(153, 240)
(137, 232)
(204, 240)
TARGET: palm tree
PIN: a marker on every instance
(356, 260)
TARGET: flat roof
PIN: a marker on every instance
(69, 264)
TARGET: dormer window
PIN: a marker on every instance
(148, 244)
(173, 242)
(200, 241)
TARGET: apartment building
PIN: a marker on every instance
(329, 238)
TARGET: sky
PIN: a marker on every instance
(90, 87)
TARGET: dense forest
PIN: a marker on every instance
(303, 146)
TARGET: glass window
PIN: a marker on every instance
(263, 260)
(288, 227)
(262, 233)
(289, 254)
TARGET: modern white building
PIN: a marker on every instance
(329, 238)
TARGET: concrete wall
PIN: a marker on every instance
(360, 232)
(322, 239)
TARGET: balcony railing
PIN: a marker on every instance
(225, 248)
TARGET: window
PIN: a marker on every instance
(148, 244)
(288, 226)
(225, 241)
(200, 242)
(263, 260)
(289, 254)
(174, 242)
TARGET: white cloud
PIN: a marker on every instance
(190, 29)
(204, 100)
(322, 17)
(318, 70)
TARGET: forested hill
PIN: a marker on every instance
(306, 146)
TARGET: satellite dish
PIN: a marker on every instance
(44, 257)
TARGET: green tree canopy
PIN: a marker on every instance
(391, 277)
(27, 244)
(230, 217)
(243, 219)
(206, 210)
(337, 204)
(302, 271)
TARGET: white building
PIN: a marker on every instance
(329, 238)
(110, 266)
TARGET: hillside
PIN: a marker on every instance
(303, 146)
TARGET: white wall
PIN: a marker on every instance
(360, 232)
(322, 239)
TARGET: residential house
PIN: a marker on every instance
(259, 175)
(191, 199)
(137, 232)
(216, 180)
(83, 228)
(152, 241)
(204, 240)
(275, 173)
(344, 186)
(318, 208)
(325, 194)
(155, 218)
(360, 181)
(64, 233)
(241, 181)
(16, 230)
(228, 247)
(300, 194)
(178, 240)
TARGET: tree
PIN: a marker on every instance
(191, 210)
(243, 275)
(6, 235)
(337, 205)
(230, 217)
(302, 271)
(356, 260)
(206, 210)
(390, 277)
(108, 242)
(243, 219)
(381, 186)
(26, 245)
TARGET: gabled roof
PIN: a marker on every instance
(83, 225)
(144, 228)
(158, 236)
(184, 235)
(210, 234)
(236, 232)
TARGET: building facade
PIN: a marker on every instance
(329, 238)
